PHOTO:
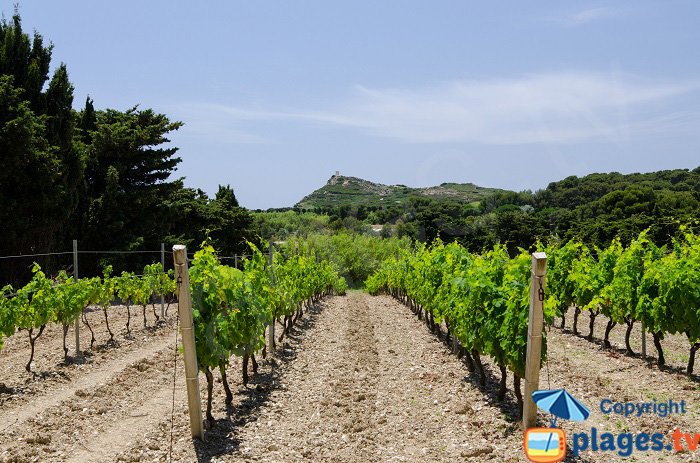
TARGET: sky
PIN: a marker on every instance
(276, 96)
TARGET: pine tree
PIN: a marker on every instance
(127, 172)
(27, 61)
(88, 121)
(230, 224)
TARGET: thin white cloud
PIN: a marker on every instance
(206, 122)
(564, 107)
(586, 16)
(592, 14)
(259, 114)
(224, 133)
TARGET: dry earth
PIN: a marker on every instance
(359, 380)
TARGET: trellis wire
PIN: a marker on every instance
(44, 254)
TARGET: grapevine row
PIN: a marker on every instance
(483, 300)
(62, 300)
(233, 308)
(657, 286)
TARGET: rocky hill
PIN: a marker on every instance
(341, 190)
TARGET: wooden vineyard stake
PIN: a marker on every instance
(644, 329)
(162, 296)
(271, 331)
(187, 329)
(75, 278)
(534, 338)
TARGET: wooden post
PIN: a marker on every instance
(75, 278)
(271, 330)
(188, 343)
(534, 338)
(644, 330)
(235, 261)
(162, 296)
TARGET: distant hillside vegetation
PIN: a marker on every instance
(594, 208)
(352, 191)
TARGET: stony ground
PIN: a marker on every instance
(359, 380)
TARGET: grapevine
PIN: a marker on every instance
(483, 299)
(63, 300)
(232, 308)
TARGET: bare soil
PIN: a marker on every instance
(359, 379)
(64, 409)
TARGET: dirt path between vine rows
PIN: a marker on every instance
(360, 379)
(363, 380)
(17, 415)
(86, 411)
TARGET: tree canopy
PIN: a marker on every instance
(103, 176)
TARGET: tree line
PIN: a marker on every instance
(107, 178)
(102, 176)
(595, 209)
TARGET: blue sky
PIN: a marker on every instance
(276, 96)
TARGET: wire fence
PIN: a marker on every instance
(65, 253)
(44, 254)
(236, 260)
(14, 268)
(118, 252)
(74, 282)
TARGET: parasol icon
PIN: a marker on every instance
(561, 404)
